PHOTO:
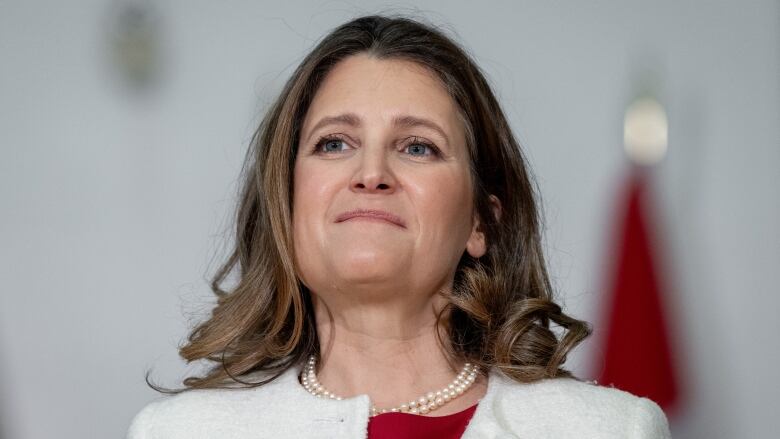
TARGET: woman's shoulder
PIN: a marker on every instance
(172, 412)
(571, 392)
(174, 415)
(581, 407)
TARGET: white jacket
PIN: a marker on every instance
(553, 408)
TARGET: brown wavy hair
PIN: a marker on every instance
(500, 310)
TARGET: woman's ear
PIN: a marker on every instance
(495, 206)
(477, 244)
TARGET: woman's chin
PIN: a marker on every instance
(370, 268)
(370, 273)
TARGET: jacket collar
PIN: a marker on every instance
(349, 416)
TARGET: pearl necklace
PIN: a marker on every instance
(424, 404)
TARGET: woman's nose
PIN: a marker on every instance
(373, 174)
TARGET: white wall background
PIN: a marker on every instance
(113, 206)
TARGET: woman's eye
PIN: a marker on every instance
(330, 145)
(421, 149)
(333, 145)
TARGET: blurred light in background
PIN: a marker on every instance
(645, 131)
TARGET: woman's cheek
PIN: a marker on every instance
(444, 207)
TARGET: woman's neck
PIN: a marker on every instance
(388, 351)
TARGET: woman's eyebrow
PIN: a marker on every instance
(413, 121)
(354, 120)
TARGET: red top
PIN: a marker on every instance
(409, 426)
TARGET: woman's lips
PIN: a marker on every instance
(371, 214)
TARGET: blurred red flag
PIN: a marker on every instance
(638, 350)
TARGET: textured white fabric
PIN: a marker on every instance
(554, 408)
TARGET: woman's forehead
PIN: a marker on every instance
(383, 91)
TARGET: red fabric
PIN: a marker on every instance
(638, 355)
(408, 426)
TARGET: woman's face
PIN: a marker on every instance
(382, 193)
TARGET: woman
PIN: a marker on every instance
(391, 281)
